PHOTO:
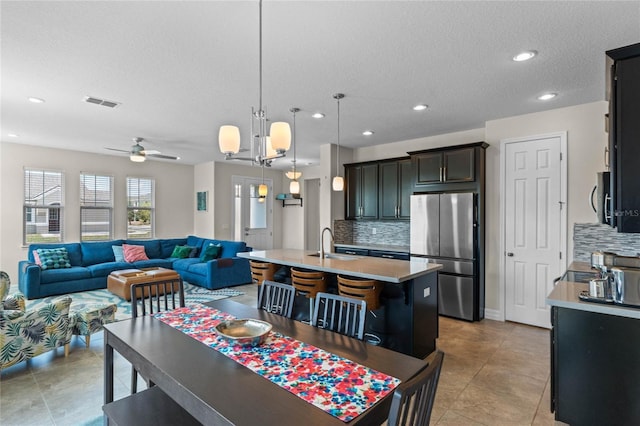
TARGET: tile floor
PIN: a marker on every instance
(494, 373)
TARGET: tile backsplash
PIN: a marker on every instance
(387, 232)
(590, 237)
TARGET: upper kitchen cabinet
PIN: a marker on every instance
(624, 136)
(436, 169)
(361, 191)
(395, 189)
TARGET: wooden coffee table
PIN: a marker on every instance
(120, 282)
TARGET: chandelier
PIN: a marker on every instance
(264, 147)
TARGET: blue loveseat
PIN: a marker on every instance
(92, 262)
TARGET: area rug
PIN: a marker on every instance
(192, 294)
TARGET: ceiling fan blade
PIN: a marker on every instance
(116, 149)
(150, 152)
(166, 157)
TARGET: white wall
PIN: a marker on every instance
(400, 149)
(203, 180)
(174, 194)
(586, 140)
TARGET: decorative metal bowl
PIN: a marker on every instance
(244, 332)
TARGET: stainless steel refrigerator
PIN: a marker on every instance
(444, 230)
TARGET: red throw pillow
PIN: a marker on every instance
(133, 253)
(36, 257)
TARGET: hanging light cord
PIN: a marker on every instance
(338, 154)
(294, 142)
(260, 55)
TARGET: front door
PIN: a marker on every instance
(252, 214)
(534, 225)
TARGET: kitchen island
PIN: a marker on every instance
(595, 349)
(409, 322)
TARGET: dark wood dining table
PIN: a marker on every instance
(216, 390)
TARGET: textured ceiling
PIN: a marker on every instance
(183, 68)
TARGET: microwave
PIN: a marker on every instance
(602, 203)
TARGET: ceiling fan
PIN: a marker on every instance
(138, 154)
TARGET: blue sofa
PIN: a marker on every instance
(92, 262)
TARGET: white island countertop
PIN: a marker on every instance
(388, 270)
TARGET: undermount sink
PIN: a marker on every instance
(336, 256)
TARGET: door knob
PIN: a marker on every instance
(510, 254)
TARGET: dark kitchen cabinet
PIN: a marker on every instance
(395, 189)
(594, 368)
(389, 254)
(353, 251)
(361, 191)
(451, 165)
(624, 136)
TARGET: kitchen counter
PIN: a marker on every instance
(565, 295)
(407, 322)
(388, 270)
(594, 346)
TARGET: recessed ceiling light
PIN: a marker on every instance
(525, 56)
(318, 115)
(12, 135)
(367, 132)
(547, 96)
(420, 107)
(36, 100)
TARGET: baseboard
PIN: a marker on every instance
(493, 314)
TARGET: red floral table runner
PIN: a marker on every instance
(336, 385)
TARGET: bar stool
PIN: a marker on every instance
(308, 283)
(261, 271)
(363, 289)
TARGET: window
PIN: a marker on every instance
(140, 208)
(43, 205)
(96, 207)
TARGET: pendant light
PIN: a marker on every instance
(262, 151)
(294, 185)
(263, 189)
(338, 180)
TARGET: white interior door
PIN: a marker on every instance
(534, 225)
(252, 214)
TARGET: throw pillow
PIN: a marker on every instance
(181, 252)
(195, 252)
(118, 253)
(133, 253)
(56, 258)
(36, 258)
(212, 251)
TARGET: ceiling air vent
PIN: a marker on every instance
(103, 102)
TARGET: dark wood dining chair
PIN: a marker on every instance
(365, 289)
(413, 400)
(276, 298)
(341, 314)
(150, 298)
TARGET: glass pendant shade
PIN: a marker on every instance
(280, 134)
(137, 158)
(338, 183)
(269, 151)
(263, 190)
(294, 187)
(293, 175)
(229, 139)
